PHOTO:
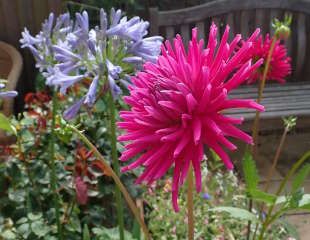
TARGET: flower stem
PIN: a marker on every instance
(255, 129)
(109, 171)
(115, 163)
(276, 158)
(53, 165)
(269, 219)
(190, 203)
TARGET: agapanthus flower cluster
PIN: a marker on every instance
(178, 107)
(68, 52)
(6, 94)
(280, 64)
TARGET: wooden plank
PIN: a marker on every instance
(245, 20)
(230, 22)
(11, 22)
(301, 42)
(55, 6)
(3, 34)
(154, 28)
(260, 15)
(215, 8)
(201, 30)
(170, 34)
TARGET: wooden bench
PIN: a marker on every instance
(243, 16)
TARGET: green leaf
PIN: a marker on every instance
(295, 198)
(250, 172)
(8, 234)
(290, 228)
(6, 125)
(34, 217)
(136, 233)
(300, 177)
(235, 212)
(40, 229)
(259, 195)
(304, 202)
(86, 235)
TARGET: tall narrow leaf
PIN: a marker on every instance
(250, 172)
(300, 177)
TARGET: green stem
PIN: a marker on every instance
(190, 203)
(53, 165)
(255, 129)
(276, 158)
(115, 163)
(269, 218)
(109, 171)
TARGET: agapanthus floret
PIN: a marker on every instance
(178, 104)
(6, 94)
(280, 64)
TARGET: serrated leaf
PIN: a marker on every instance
(238, 213)
(259, 195)
(6, 125)
(295, 198)
(300, 177)
(250, 172)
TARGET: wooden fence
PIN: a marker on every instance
(14, 16)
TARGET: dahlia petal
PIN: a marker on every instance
(219, 151)
(196, 130)
(191, 102)
(184, 140)
(241, 103)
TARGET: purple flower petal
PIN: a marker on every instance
(8, 94)
(147, 48)
(91, 94)
(72, 111)
(115, 90)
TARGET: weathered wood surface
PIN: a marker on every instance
(279, 100)
(14, 16)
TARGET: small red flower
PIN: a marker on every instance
(280, 64)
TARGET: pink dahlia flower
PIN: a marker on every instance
(280, 64)
(177, 108)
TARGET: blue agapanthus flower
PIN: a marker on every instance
(6, 94)
(67, 52)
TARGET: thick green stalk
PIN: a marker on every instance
(190, 203)
(115, 163)
(53, 165)
(269, 217)
(109, 171)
